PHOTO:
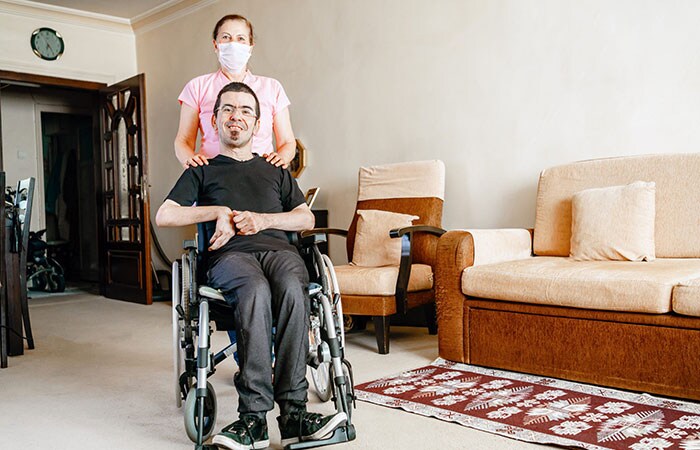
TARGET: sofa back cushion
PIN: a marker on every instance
(614, 223)
(677, 199)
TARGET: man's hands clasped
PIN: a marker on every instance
(224, 229)
(248, 223)
(229, 222)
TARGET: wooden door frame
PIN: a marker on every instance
(43, 80)
(66, 83)
(97, 88)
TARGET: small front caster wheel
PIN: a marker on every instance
(192, 413)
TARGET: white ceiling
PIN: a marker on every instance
(127, 9)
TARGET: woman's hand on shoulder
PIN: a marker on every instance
(196, 160)
(276, 160)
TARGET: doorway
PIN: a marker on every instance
(117, 227)
(68, 169)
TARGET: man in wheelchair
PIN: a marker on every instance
(247, 204)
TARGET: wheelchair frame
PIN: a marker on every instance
(193, 308)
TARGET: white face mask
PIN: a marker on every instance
(234, 56)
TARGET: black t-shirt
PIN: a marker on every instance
(254, 185)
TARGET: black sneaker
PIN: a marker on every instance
(305, 426)
(248, 432)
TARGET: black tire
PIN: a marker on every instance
(56, 282)
(57, 268)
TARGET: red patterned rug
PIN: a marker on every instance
(538, 409)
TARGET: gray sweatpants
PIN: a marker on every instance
(267, 288)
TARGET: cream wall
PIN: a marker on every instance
(98, 48)
(498, 90)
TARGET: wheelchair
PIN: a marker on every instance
(195, 305)
(43, 272)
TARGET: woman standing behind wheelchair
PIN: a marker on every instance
(233, 41)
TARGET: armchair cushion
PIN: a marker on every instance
(614, 223)
(373, 246)
(604, 285)
(355, 280)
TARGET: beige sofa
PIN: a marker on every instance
(514, 299)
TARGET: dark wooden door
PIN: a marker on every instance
(125, 231)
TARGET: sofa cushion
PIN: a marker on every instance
(354, 280)
(373, 245)
(677, 197)
(604, 285)
(614, 223)
(686, 298)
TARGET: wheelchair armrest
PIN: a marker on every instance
(212, 293)
(312, 239)
(324, 232)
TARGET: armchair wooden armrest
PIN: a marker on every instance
(406, 233)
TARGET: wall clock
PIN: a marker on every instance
(47, 44)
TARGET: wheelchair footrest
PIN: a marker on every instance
(344, 433)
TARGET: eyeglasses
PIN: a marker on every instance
(246, 111)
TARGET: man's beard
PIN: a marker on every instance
(234, 138)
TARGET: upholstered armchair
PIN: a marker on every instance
(391, 244)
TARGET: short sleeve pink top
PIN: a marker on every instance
(200, 93)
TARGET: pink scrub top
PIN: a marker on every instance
(200, 93)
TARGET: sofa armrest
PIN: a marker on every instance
(499, 245)
(457, 250)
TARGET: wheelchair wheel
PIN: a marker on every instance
(178, 352)
(38, 281)
(56, 283)
(192, 413)
(319, 375)
(322, 381)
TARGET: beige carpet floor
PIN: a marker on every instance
(101, 378)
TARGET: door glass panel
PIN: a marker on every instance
(107, 147)
(124, 234)
(123, 171)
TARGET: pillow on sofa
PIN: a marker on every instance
(373, 246)
(614, 223)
